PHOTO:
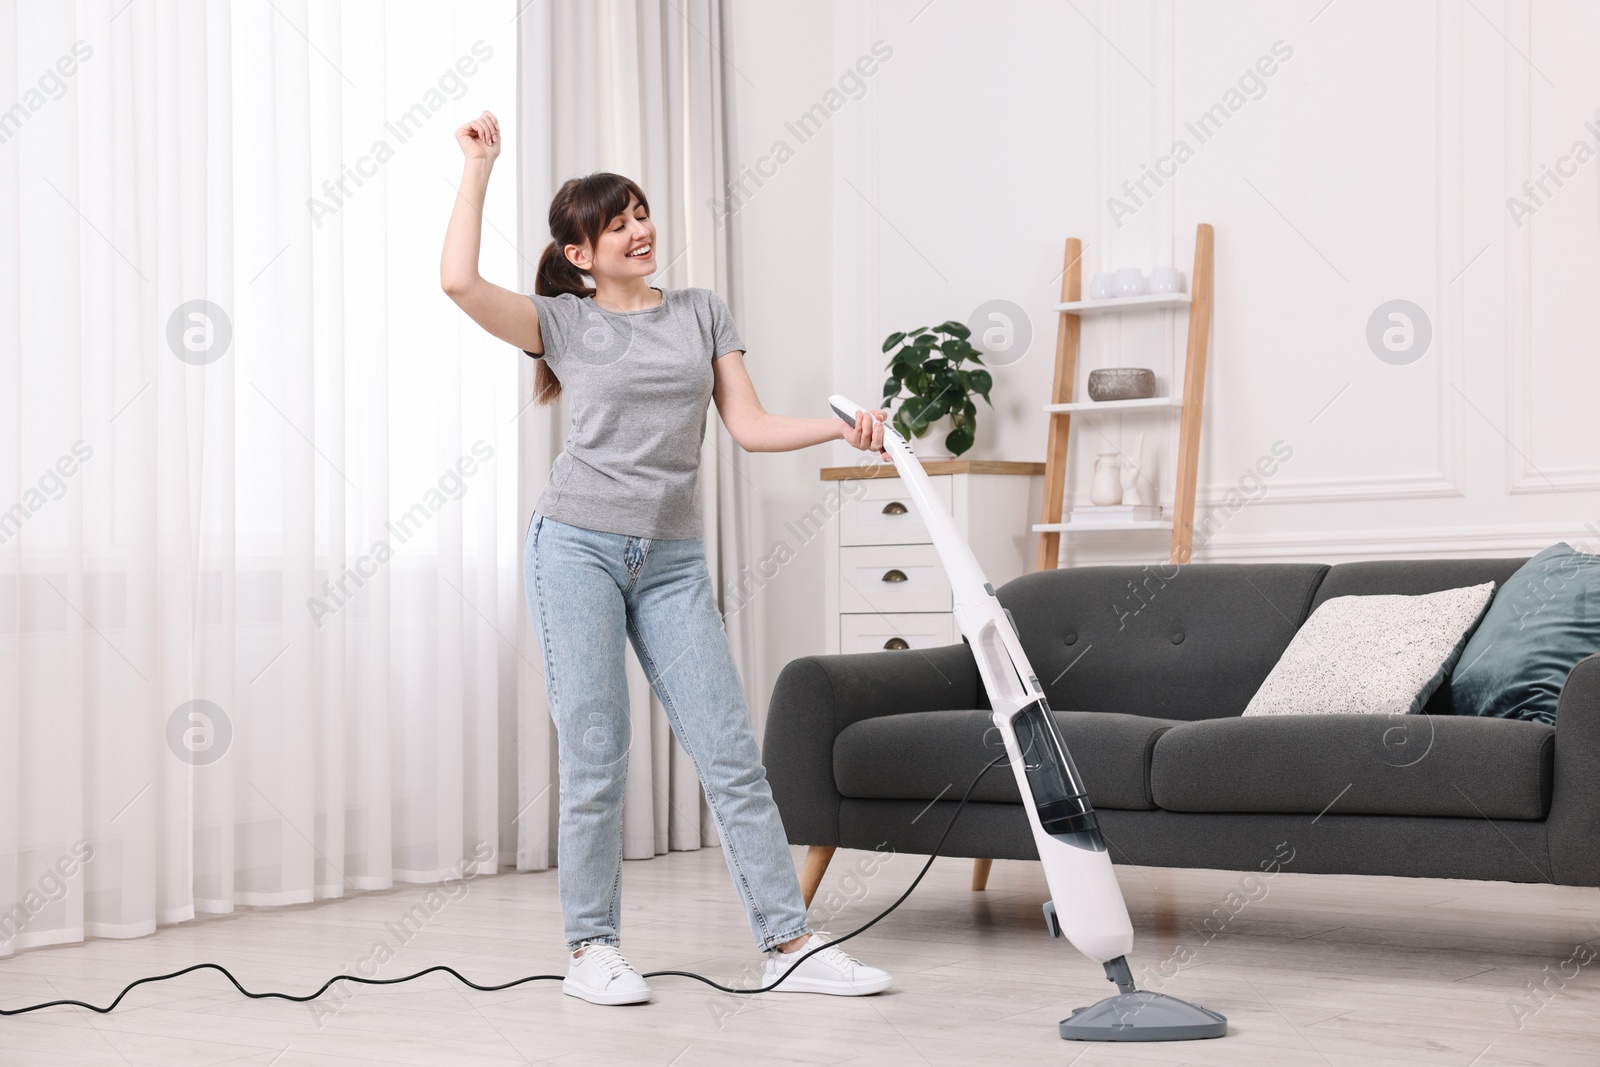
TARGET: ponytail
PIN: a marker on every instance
(578, 214)
(556, 275)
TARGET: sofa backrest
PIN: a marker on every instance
(1412, 577)
(1196, 641)
(1175, 642)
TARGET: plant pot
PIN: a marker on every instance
(931, 444)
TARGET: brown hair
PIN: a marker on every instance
(578, 214)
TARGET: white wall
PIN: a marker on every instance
(1375, 163)
(783, 56)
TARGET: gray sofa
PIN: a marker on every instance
(1147, 671)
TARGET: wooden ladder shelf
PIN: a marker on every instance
(1061, 406)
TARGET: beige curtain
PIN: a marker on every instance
(642, 88)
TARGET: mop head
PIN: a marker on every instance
(1142, 1016)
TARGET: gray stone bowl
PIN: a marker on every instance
(1122, 383)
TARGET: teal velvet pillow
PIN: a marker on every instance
(1540, 624)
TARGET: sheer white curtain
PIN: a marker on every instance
(259, 518)
(642, 88)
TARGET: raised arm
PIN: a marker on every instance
(509, 316)
(758, 430)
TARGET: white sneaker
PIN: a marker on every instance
(830, 971)
(602, 975)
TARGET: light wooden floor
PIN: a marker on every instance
(1320, 970)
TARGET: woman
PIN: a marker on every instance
(615, 548)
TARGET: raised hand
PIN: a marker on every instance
(480, 138)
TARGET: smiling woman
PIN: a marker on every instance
(615, 554)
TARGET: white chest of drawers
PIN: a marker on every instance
(885, 586)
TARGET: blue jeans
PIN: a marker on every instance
(586, 589)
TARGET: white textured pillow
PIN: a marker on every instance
(1368, 655)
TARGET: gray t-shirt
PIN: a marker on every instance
(638, 384)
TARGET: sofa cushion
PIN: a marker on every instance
(1171, 641)
(1360, 655)
(1357, 765)
(1542, 622)
(935, 754)
(1413, 577)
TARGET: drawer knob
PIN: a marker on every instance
(894, 507)
(896, 643)
(894, 574)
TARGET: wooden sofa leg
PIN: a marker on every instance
(816, 865)
(980, 873)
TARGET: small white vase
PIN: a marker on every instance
(1166, 280)
(1130, 282)
(1107, 485)
(931, 444)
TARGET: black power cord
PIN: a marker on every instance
(464, 980)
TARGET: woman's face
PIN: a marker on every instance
(627, 246)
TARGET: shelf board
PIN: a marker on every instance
(1152, 403)
(880, 469)
(1080, 527)
(1147, 302)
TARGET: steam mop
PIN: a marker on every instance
(1091, 912)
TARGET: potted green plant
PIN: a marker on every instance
(927, 364)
